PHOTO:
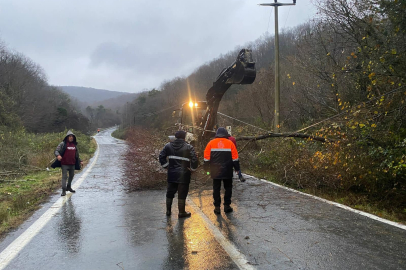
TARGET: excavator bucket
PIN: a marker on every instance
(243, 69)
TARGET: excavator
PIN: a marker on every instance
(198, 118)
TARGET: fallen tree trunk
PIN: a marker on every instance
(294, 135)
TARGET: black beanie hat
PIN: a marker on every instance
(222, 133)
(180, 134)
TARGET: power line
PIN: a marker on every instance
(158, 112)
(345, 112)
(287, 18)
(235, 119)
(269, 21)
(305, 128)
(324, 120)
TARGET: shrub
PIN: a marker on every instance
(143, 168)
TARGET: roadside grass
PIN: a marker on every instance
(361, 203)
(21, 196)
(119, 134)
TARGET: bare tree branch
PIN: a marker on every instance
(295, 135)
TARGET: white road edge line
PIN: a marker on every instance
(398, 225)
(238, 257)
(11, 251)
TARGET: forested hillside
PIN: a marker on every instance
(27, 100)
(103, 108)
(34, 116)
(90, 95)
(343, 78)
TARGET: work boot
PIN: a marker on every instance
(168, 206)
(63, 192)
(182, 212)
(227, 209)
(217, 210)
(68, 188)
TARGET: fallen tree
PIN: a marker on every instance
(294, 135)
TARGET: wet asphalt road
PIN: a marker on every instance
(103, 227)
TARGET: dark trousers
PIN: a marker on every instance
(182, 190)
(228, 187)
(65, 170)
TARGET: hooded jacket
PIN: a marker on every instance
(180, 159)
(231, 138)
(60, 150)
(221, 156)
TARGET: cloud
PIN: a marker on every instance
(130, 45)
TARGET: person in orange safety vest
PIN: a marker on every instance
(220, 157)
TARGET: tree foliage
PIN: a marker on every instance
(101, 117)
(27, 100)
(342, 77)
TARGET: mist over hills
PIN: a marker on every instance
(116, 103)
(92, 95)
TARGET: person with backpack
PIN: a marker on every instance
(67, 157)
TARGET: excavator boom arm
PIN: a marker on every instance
(242, 71)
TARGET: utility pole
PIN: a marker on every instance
(277, 82)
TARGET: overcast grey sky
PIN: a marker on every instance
(133, 45)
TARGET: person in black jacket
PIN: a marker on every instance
(180, 159)
(67, 157)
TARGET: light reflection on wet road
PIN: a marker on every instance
(103, 227)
